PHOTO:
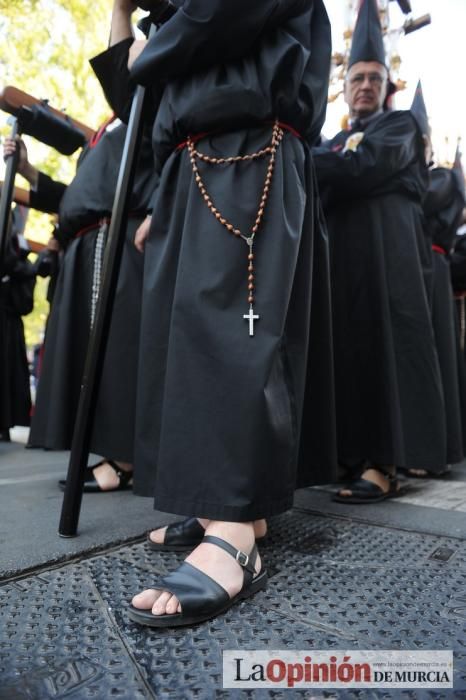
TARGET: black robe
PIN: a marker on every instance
(224, 419)
(88, 199)
(390, 406)
(443, 210)
(16, 300)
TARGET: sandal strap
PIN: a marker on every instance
(388, 475)
(124, 477)
(246, 561)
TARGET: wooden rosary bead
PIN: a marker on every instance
(277, 136)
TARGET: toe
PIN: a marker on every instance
(146, 599)
(160, 605)
(172, 606)
(346, 493)
(158, 536)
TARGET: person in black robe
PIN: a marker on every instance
(373, 177)
(235, 392)
(458, 280)
(84, 209)
(17, 282)
(443, 208)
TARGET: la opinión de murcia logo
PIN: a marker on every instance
(350, 669)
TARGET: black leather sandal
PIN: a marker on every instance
(365, 491)
(183, 536)
(179, 537)
(201, 598)
(92, 486)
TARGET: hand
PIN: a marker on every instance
(9, 148)
(25, 168)
(136, 49)
(142, 234)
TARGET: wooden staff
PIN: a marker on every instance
(13, 100)
(98, 339)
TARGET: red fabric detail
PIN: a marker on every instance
(289, 128)
(91, 227)
(105, 220)
(198, 137)
(100, 132)
(438, 249)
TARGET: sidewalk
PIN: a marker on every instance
(391, 576)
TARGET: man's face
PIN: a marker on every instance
(366, 88)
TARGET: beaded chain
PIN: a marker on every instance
(97, 272)
(194, 154)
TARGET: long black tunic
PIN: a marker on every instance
(88, 199)
(390, 407)
(443, 209)
(224, 419)
(16, 300)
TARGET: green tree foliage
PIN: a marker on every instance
(49, 45)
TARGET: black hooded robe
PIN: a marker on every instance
(458, 280)
(390, 405)
(443, 209)
(225, 419)
(16, 300)
(88, 199)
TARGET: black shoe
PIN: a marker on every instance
(91, 485)
(183, 536)
(365, 491)
(5, 435)
(201, 598)
(179, 537)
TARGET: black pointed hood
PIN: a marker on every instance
(367, 43)
(419, 110)
(459, 172)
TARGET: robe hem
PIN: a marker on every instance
(435, 468)
(215, 511)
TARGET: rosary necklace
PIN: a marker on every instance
(194, 154)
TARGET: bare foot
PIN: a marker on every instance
(158, 536)
(213, 561)
(106, 476)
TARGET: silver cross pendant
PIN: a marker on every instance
(251, 317)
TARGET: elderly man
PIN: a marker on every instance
(373, 177)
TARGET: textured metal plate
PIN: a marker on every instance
(57, 641)
(334, 584)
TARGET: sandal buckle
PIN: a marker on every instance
(242, 558)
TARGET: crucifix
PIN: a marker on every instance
(251, 317)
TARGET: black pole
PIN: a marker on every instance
(7, 192)
(99, 334)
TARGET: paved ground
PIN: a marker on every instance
(391, 576)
